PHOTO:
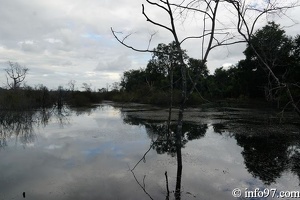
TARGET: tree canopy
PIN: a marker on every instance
(248, 78)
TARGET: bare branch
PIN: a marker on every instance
(128, 46)
(144, 156)
(150, 39)
(189, 7)
(142, 186)
(153, 22)
(17, 73)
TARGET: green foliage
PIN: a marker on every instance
(25, 99)
(40, 97)
(83, 99)
(274, 47)
(247, 79)
(161, 78)
(250, 78)
(79, 99)
(162, 75)
(133, 79)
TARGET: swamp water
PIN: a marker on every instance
(89, 154)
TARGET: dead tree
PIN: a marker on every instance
(16, 73)
(214, 33)
(210, 39)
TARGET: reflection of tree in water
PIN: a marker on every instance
(265, 157)
(267, 152)
(269, 156)
(166, 142)
(219, 128)
(295, 162)
(20, 124)
(86, 110)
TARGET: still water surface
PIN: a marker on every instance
(88, 154)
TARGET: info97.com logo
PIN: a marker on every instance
(264, 193)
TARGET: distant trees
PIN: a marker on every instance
(15, 97)
(87, 87)
(71, 85)
(249, 78)
(161, 78)
(15, 75)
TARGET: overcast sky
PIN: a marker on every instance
(63, 40)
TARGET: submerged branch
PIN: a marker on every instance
(142, 186)
(144, 156)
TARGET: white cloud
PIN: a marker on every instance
(117, 63)
(53, 41)
(63, 40)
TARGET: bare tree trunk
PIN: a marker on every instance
(167, 186)
(179, 127)
(171, 103)
(179, 171)
(292, 100)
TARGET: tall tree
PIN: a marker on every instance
(276, 54)
(133, 80)
(212, 34)
(246, 28)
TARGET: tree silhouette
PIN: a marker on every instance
(17, 73)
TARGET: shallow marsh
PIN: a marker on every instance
(88, 153)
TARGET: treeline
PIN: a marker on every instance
(248, 79)
(18, 96)
(27, 98)
(160, 81)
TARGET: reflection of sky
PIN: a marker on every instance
(115, 151)
(90, 158)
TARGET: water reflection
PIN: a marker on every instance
(267, 154)
(18, 125)
(268, 157)
(295, 163)
(165, 142)
(85, 154)
(21, 125)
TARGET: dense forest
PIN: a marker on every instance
(248, 79)
(161, 78)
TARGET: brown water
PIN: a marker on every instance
(88, 154)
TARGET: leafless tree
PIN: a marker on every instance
(15, 75)
(87, 87)
(211, 37)
(71, 85)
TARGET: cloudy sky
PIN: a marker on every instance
(63, 40)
